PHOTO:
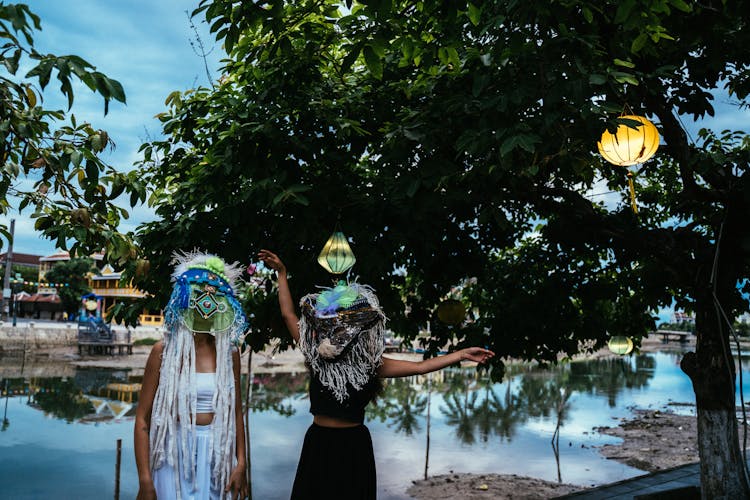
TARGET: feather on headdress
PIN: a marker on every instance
(342, 335)
(203, 288)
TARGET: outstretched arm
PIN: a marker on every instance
(285, 296)
(401, 368)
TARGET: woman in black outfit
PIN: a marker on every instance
(341, 335)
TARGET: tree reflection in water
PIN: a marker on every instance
(271, 391)
(479, 409)
(61, 398)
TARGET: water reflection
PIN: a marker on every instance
(454, 419)
(272, 392)
(89, 396)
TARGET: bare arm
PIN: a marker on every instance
(286, 304)
(402, 368)
(143, 422)
(238, 479)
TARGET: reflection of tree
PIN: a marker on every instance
(496, 413)
(63, 399)
(271, 392)
(403, 406)
(611, 376)
(460, 411)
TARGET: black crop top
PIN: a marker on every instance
(323, 401)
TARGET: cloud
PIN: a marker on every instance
(141, 43)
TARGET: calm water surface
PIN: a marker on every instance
(59, 434)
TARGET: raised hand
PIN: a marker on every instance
(272, 260)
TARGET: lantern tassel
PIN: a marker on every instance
(631, 186)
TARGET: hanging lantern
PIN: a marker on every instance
(451, 312)
(620, 344)
(337, 256)
(630, 146)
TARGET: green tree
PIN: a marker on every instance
(27, 273)
(73, 191)
(456, 140)
(74, 275)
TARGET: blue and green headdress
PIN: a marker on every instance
(203, 298)
(342, 335)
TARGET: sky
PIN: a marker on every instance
(145, 45)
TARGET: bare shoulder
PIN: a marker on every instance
(154, 357)
(157, 349)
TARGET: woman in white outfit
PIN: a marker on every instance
(189, 433)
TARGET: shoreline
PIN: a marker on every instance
(651, 439)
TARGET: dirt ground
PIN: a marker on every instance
(479, 486)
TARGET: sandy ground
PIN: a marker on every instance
(496, 486)
(652, 440)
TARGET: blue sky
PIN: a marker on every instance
(143, 44)
(146, 46)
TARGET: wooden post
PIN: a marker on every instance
(117, 470)
(248, 398)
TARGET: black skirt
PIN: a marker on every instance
(336, 463)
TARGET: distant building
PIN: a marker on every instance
(21, 259)
(48, 262)
(683, 317)
(108, 285)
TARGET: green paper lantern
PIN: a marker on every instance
(337, 256)
(620, 344)
(451, 312)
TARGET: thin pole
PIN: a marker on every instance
(117, 470)
(248, 398)
(5, 309)
(429, 403)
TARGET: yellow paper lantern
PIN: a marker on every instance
(337, 256)
(451, 312)
(629, 146)
(620, 344)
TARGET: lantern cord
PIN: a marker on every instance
(723, 314)
(631, 186)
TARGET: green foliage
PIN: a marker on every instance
(682, 326)
(146, 341)
(457, 140)
(73, 191)
(74, 272)
(27, 273)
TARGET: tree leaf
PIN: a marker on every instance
(373, 62)
(473, 13)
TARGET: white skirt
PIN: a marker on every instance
(164, 477)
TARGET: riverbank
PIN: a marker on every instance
(652, 440)
(645, 426)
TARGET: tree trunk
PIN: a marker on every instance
(712, 371)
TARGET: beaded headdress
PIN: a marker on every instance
(203, 296)
(342, 335)
(202, 301)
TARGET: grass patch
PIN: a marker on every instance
(146, 341)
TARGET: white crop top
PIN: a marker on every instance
(205, 387)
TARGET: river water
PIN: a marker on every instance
(59, 433)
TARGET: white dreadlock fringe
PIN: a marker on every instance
(358, 365)
(175, 403)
